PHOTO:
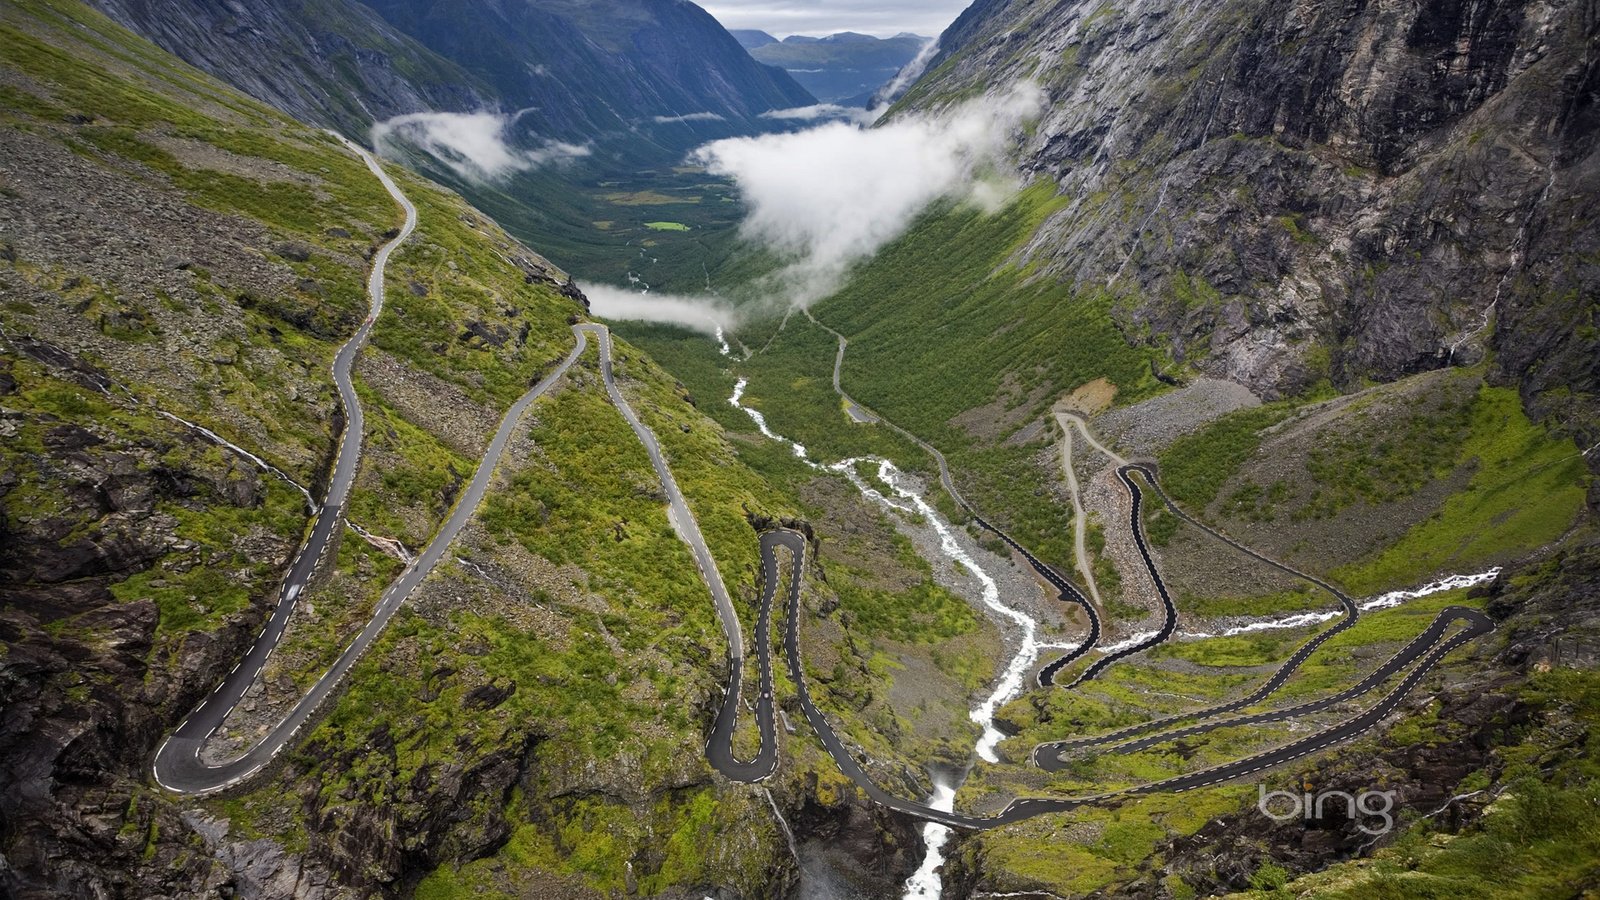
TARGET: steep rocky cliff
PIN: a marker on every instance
(584, 69)
(1283, 192)
(328, 61)
(571, 71)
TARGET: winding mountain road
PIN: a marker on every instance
(1049, 755)
(1066, 590)
(1433, 640)
(1053, 757)
(178, 765)
(1421, 654)
(1169, 619)
(719, 749)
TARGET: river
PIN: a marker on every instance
(895, 493)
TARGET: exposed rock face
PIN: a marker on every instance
(572, 71)
(335, 63)
(1280, 192)
(588, 69)
(85, 698)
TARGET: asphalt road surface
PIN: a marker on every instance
(1053, 757)
(178, 766)
(1048, 755)
(1169, 619)
(719, 749)
(1431, 647)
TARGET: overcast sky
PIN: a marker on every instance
(821, 17)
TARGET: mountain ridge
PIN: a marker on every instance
(348, 64)
(1394, 181)
(841, 67)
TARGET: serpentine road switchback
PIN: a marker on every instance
(1431, 646)
(179, 766)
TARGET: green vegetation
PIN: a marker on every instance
(419, 475)
(1348, 656)
(722, 493)
(1540, 838)
(693, 360)
(1527, 487)
(595, 216)
(589, 497)
(1106, 846)
(189, 598)
(290, 207)
(1389, 461)
(459, 310)
(1160, 525)
(595, 838)
(666, 226)
(1255, 649)
(791, 383)
(201, 598)
(1196, 466)
(990, 334)
(924, 613)
(602, 494)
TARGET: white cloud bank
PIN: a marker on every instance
(834, 194)
(830, 196)
(822, 111)
(703, 314)
(689, 117)
(476, 145)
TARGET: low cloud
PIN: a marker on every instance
(704, 314)
(689, 117)
(829, 196)
(907, 75)
(476, 145)
(820, 112)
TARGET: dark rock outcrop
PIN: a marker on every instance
(571, 70)
(337, 64)
(1279, 192)
(88, 685)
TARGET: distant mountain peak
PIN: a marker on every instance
(751, 38)
(846, 67)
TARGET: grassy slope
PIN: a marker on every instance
(941, 322)
(935, 323)
(1526, 489)
(1538, 840)
(890, 608)
(580, 700)
(1527, 485)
